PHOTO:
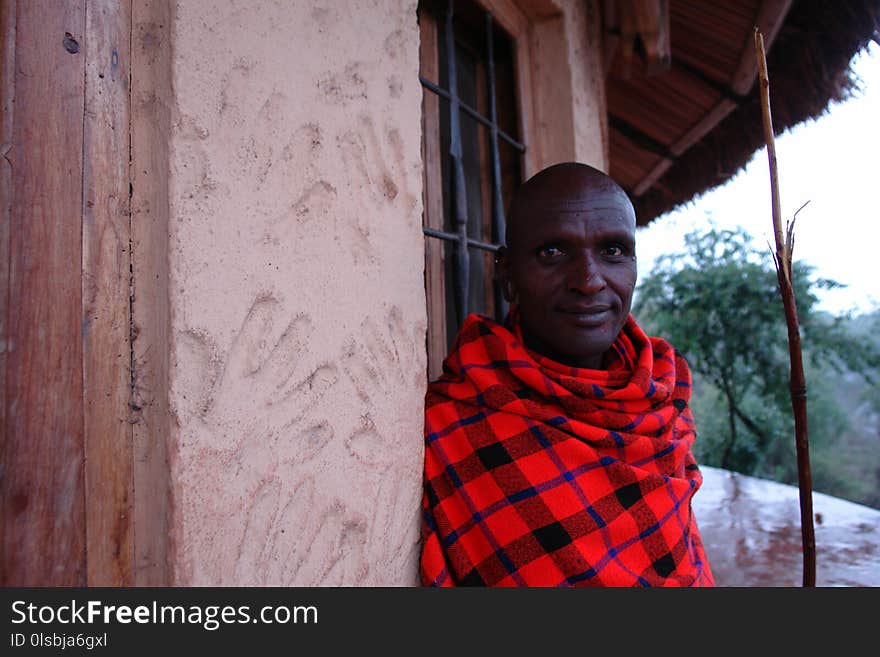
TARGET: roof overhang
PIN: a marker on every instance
(683, 113)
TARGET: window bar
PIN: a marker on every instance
(462, 265)
(497, 202)
(454, 237)
(472, 112)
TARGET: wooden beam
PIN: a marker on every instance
(106, 273)
(610, 34)
(769, 19)
(647, 20)
(432, 199)
(553, 123)
(528, 127)
(637, 137)
(151, 103)
(7, 105)
(43, 522)
(508, 15)
(688, 139)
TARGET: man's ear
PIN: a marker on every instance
(504, 275)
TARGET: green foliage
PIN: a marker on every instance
(718, 303)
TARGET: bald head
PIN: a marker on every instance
(570, 262)
(564, 187)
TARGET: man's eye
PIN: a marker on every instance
(549, 253)
(613, 250)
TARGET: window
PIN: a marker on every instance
(473, 161)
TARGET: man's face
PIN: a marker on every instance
(572, 269)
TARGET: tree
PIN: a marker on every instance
(719, 305)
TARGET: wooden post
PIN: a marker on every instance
(106, 282)
(84, 486)
(432, 198)
(43, 525)
(150, 416)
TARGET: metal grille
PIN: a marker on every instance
(461, 240)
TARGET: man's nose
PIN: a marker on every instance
(585, 276)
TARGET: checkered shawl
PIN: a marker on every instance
(541, 474)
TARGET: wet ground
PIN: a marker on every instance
(752, 534)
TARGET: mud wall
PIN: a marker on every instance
(296, 293)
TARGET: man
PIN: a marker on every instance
(558, 445)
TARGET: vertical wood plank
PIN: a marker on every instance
(42, 486)
(511, 17)
(7, 94)
(530, 135)
(432, 191)
(485, 149)
(105, 293)
(151, 98)
(553, 118)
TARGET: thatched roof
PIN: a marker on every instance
(655, 121)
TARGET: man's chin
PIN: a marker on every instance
(587, 345)
(573, 343)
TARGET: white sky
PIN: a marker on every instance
(830, 162)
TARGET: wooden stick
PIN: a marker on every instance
(797, 381)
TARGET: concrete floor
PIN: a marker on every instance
(752, 534)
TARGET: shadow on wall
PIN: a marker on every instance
(752, 534)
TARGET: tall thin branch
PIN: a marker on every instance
(782, 258)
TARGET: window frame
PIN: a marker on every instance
(507, 16)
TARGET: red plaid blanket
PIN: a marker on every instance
(540, 474)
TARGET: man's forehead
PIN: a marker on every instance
(600, 205)
(568, 192)
(591, 204)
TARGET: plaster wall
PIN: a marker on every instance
(296, 292)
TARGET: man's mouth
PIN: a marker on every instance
(587, 314)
